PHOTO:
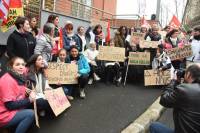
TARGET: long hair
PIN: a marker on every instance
(95, 29)
(31, 64)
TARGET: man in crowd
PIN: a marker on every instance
(184, 98)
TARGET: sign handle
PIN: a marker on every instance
(126, 73)
(35, 110)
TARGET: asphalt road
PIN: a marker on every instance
(106, 109)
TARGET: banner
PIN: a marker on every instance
(15, 10)
(179, 53)
(156, 77)
(108, 53)
(57, 100)
(148, 44)
(139, 58)
(62, 73)
(174, 23)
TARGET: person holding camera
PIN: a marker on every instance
(184, 98)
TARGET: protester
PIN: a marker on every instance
(83, 68)
(21, 42)
(36, 77)
(54, 19)
(99, 36)
(90, 36)
(82, 39)
(13, 98)
(113, 70)
(144, 29)
(33, 25)
(153, 35)
(69, 38)
(44, 43)
(62, 58)
(91, 54)
(185, 101)
(195, 43)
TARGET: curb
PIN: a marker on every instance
(141, 124)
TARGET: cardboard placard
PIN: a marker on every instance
(139, 58)
(179, 53)
(156, 77)
(148, 44)
(108, 53)
(189, 63)
(62, 73)
(138, 35)
(57, 100)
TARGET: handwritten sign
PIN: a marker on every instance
(148, 44)
(156, 77)
(178, 53)
(62, 73)
(108, 53)
(139, 58)
(57, 100)
(138, 35)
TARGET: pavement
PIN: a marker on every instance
(107, 109)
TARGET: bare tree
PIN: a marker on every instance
(176, 7)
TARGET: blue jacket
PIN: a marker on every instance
(67, 40)
(83, 66)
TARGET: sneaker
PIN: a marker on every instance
(70, 98)
(82, 94)
(42, 113)
(90, 81)
(118, 81)
(96, 77)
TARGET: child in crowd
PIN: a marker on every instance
(113, 70)
(62, 58)
(91, 55)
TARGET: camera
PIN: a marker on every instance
(180, 73)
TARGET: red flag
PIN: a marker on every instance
(174, 23)
(4, 8)
(16, 3)
(60, 43)
(144, 22)
(108, 32)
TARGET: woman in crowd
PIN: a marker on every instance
(113, 70)
(54, 19)
(81, 36)
(21, 42)
(153, 35)
(33, 25)
(172, 41)
(91, 54)
(83, 68)
(36, 77)
(99, 36)
(44, 43)
(90, 36)
(61, 57)
(13, 98)
(69, 38)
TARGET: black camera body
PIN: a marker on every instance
(180, 73)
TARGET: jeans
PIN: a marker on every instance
(157, 127)
(83, 80)
(22, 120)
(67, 89)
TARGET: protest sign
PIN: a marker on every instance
(148, 44)
(138, 35)
(15, 10)
(139, 58)
(156, 77)
(108, 53)
(62, 73)
(179, 53)
(57, 100)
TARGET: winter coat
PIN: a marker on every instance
(21, 45)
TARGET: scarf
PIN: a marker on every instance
(18, 77)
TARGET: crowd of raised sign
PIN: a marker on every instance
(37, 61)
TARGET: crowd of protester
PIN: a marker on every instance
(29, 49)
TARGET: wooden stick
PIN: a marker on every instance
(126, 73)
(35, 110)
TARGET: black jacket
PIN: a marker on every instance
(21, 45)
(185, 101)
